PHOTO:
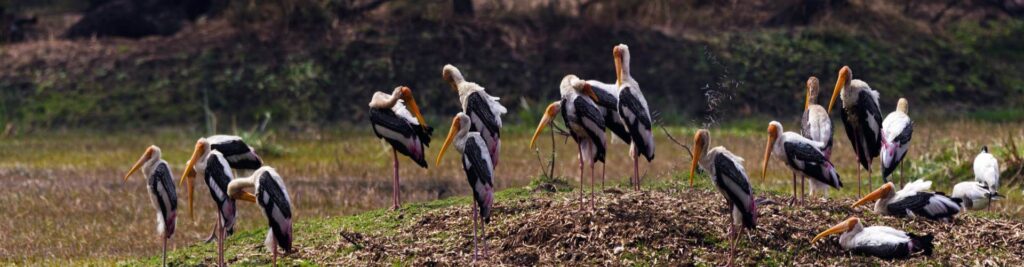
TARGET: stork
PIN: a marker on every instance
(396, 119)
(237, 154)
(608, 100)
(726, 170)
(912, 201)
(897, 128)
(800, 155)
(974, 195)
(986, 169)
(216, 171)
(483, 109)
(272, 196)
(160, 183)
(879, 241)
(476, 161)
(816, 126)
(861, 118)
(634, 112)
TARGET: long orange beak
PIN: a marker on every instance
(874, 195)
(698, 152)
(844, 76)
(838, 228)
(617, 54)
(549, 114)
(456, 125)
(411, 103)
(773, 134)
(244, 196)
(138, 164)
(189, 176)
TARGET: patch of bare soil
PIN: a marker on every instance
(667, 228)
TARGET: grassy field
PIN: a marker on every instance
(70, 204)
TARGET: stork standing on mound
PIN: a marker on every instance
(479, 167)
(817, 126)
(608, 101)
(160, 183)
(484, 110)
(396, 118)
(861, 117)
(800, 155)
(726, 170)
(634, 112)
(272, 196)
(897, 128)
(986, 170)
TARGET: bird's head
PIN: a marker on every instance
(621, 55)
(410, 101)
(700, 146)
(902, 105)
(460, 125)
(188, 178)
(774, 129)
(845, 74)
(549, 115)
(883, 191)
(236, 188)
(452, 76)
(813, 89)
(839, 228)
(582, 87)
(151, 152)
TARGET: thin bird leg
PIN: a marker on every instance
(273, 248)
(163, 261)
(396, 190)
(859, 193)
(592, 185)
(220, 241)
(732, 243)
(603, 165)
(793, 200)
(582, 188)
(803, 179)
(869, 174)
(475, 248)
(636, 170)
(483, 236)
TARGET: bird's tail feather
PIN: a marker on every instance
(922, 243)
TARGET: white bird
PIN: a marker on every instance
(817, 126)
(897, 129)
(396, 118)
(986, 169)
(272, 196)
(726, 170)
(479, 167)
(801, 155)
(608, 100)
(237, 154)
(586, 123)
(974, 195)
(912, 201)
(879, 241)
(483, 109)
(634, 112)
(861, 117)
(216, 172)
(160, 183)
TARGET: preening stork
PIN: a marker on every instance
(974, 195)
(160, 183)
(483, 109)
(634, 112)
(801, 155)
(861, 118)
(986, 169)
(726, 170)
(608, 100)
(476, 161)
(586, 125)
(817, 126)
(272, 196)
(897, 128)
(879, 241)
(396, 118)
(912, 201)
(216, 171)
(238, 155)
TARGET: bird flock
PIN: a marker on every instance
(589, 108)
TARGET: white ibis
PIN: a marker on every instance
(726, 170)
(216, 171)
(396, 118)
(801, 155)
(817, 126)
(912, 201)
(483, 109)
(986, 169)
(585, 121)
(608, 100)
(861, 118)
(237, 154)
(879, 241)
(974, 195)
(634, 112)
(160, 183)
(272, 196)
(476, 161)
(897, 129)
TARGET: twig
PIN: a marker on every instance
(670, 137)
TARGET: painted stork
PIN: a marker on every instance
(396, 118)
(912, 201)
(634, 112)
(986, 169)
(879, 241)
(483, 109)
(476, 161)
(897, 128)
(861, 118)
(608, 100)
(238, 155)
(216, 171)
(586, 123)
(272, 196)
(726, 170)
(817, 126)
(974, 195)
(801, 155)
(160, 183)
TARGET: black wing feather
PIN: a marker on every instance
(728, 173)
(477, 106)
(272, 195)
(587, 112)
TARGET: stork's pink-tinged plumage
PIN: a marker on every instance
(634, 112)
(727, 172)
(160, 183)
(484, 110)
(897, 129)
(861, 117)
(272, 196)
(479, 168)
(817, 126)
(396, 119)
(801, 155)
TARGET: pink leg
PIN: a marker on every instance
(483, 236)
(732, 243)
(474, 233)
(592, 199)
(636, 171)
(581, 177)
(603, 165)
(870, 187)
(803, 179)
(793, 200)
(274, 249)
(163, 261)
(221, 235)
(859, 192)
(396, 189)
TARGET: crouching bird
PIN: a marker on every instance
(160, 183)
(272, 196)
(974, 195)
(726, 170)
(879, 241)
(912, 201)
(479, 167)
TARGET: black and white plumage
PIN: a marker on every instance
(861, 117)
(479, 168)
(483, 109)
(236, 153)
(608, 99)
(160, 183)
(974, 195)
(897, 129)
(726, 170)
(272, 197)
(397, 120)
(986, 169)
(816, 125)
(634, 112)
(586, 122)
(878, 241)
(912, 201)
(801, 155)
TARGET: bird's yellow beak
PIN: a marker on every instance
(838, 228)
(874, 195)
(844, 77)
(244, 196)
(549, 114)
(773, 134)
(812, 91)
(456, 125)
(190, 173)
(145, 157)
(411, 103)
(698, 152)
(617, 54)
